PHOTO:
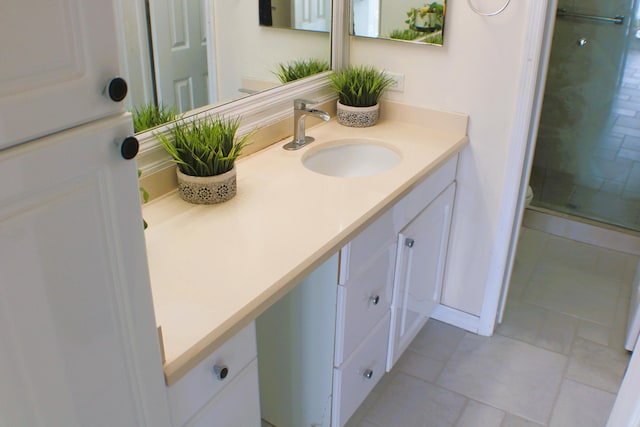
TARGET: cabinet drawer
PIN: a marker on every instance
(238, 405)
(357, 254)
(199, 385)
(363, 301)
(351, 385)
(424, 193)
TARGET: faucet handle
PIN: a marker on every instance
(301, 104)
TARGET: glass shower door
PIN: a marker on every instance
(587, 157)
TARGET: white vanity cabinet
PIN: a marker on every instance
(390, 281)
(57, 58)
(222, 390)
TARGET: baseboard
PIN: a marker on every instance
(584, 231)
(456, 318)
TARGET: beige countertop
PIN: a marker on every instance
(215, 268)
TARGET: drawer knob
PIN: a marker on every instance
(374, 299)
(116, 89)
(409, 242)
(221, 371)
(129, 147)
(368, 374)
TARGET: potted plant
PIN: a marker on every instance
(359, 88)
(205, 152)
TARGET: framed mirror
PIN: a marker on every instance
(412, 21)
(191, 55)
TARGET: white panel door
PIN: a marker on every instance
(77, 328)
(56, 58)
(422, 249)
(179, 29)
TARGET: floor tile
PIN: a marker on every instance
(581, 406)
(419, 366)
(522, 321)
(573, 292)
(507, 374)
(437, 340)
(476, 414)
(514, 421)
(410, 402)
(557, 332)
(594, 332)
(597, 365)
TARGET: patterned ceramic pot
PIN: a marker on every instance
(357, 117)
(207, 190)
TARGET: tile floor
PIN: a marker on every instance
(557, 359)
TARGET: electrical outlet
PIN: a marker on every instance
(399, 79)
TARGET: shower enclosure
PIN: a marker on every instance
(587, 156)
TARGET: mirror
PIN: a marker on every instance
(403, 20)
(311, 15)
(194, 54)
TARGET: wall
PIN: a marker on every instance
(478, 72)
(394, 13)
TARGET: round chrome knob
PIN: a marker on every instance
(374, 299)
(409, 242)
(582, 42)
(221, 371)
(368, 374)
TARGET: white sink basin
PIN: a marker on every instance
(351, 157)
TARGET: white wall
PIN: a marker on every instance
(244, 50)
(478, 72)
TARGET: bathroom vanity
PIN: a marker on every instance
(371, 248)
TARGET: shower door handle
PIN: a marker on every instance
(564, 13)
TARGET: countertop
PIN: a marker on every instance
(216, 268)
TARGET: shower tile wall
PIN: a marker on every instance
(587, 160)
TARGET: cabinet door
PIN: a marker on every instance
(57, 57)
(79, 344)
(422, 248)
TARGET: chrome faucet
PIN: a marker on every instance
(300, 112)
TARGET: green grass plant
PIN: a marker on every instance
(205, 147)
(360, 86)
(406, 34)
(301, 68)
(148, 116)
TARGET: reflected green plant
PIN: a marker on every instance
(301, 68)
(148, 116)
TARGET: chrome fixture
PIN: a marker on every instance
(564, 13)
(300, 112)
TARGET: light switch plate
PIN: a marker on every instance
(399, 79)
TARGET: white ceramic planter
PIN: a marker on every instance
(357, 117)
(207, 190)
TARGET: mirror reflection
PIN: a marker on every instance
(311, 15)
(403, 20)
(183, 55)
